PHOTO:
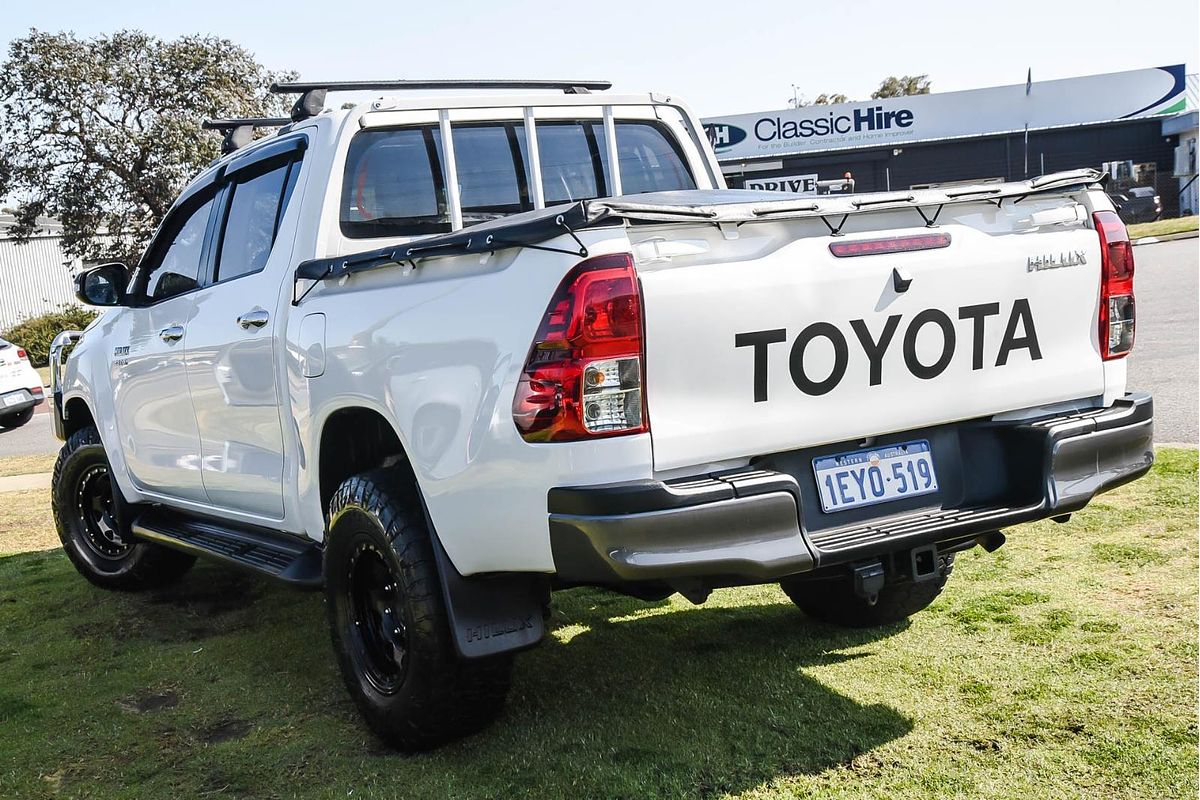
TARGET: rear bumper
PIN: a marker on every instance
(764, 521)
(29, 401)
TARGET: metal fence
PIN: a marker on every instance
(35, 277)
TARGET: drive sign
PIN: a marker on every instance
(797, 184)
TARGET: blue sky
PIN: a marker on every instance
(721, 58)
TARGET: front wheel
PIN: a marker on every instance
(84, 505)
(835, 602)
(16, 420)
(390, 630)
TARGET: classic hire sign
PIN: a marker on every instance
(900, 120)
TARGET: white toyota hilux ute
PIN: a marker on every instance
(440, 355)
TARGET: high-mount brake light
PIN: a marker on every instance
(892, 244)
(1116, 286)
(584, 375)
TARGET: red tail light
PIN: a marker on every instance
(584, 377)
(1116, 286)
(37, 390)
(21, 354)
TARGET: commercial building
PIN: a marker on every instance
(1113, 122)
(37, 275)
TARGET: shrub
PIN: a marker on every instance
(36, 333)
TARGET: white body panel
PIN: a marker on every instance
(782, 277)
(437, 350)
(155, 423)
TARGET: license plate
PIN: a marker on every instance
(16, 398)
(866, 477)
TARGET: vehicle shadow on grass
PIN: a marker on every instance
(624, 698)
(698, 700)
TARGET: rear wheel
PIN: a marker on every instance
(16, 420)
(835, 602)
(84, 504)
(389, 625)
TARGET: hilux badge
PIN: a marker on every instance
(1053, 261)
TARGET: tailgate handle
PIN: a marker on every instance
(901, 280)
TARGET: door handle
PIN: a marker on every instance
(172, 333)
(254, 319)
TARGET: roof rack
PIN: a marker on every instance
(239, 131)
(312, 93)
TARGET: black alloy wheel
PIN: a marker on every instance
(378, 634)
(96, 510)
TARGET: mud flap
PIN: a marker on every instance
(492, 614)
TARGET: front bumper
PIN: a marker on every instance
(764, 521)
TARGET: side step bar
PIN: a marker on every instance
(276, 555)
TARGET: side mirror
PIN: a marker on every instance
(104, 285)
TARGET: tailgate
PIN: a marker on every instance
(762, 341)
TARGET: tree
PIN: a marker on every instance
(829, 99)
(103, 133)
(902, 87)
(823, 99)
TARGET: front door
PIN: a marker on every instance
(155, 422)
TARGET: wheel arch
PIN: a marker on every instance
(356, 439)
(77, 415)
(508, 607)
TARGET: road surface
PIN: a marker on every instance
(1165, 352)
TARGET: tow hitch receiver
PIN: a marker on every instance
(868, 581)
(924, 563)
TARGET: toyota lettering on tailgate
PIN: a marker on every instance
(1019, 334)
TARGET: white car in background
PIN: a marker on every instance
(20, 386)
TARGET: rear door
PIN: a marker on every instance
(231, 349)
(766, 342)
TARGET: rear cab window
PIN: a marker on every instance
(394, 179)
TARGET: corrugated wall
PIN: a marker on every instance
(34, 278)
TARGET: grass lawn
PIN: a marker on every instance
(25, 465)
(1163, 226)
(1062, 666)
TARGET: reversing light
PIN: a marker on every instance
(892, 244)
(584, 375)
(1117, 326)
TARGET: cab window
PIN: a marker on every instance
(177, 270)
(255, 208)
(394, 182)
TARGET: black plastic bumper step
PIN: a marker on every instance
(959, 521)
(276, 555)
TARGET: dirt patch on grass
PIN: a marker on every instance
(150, 702)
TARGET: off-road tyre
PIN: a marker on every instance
(834, 601)
(87, 526)
(388, 621)
(16, 420)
